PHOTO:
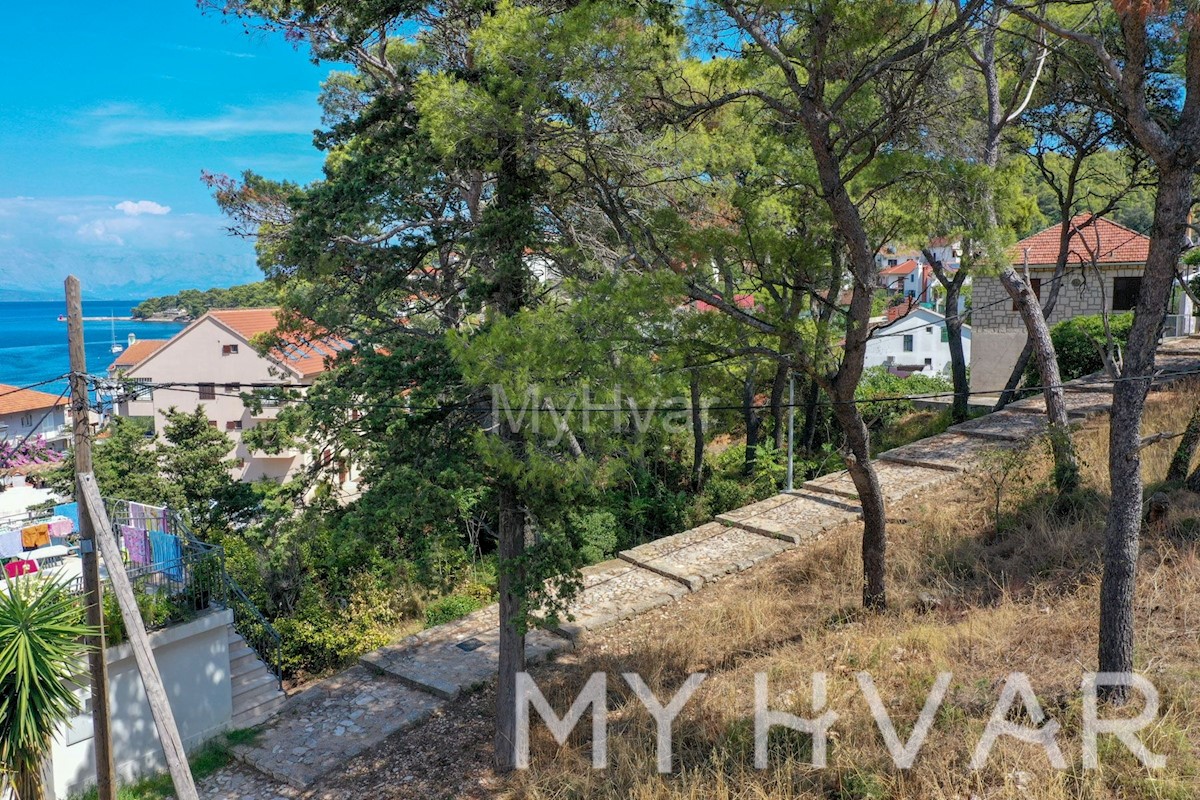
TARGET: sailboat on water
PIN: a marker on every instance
(116, 348)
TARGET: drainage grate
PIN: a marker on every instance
(467, 645)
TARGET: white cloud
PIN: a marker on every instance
(119, 123)
(135, 207)
(98, 231)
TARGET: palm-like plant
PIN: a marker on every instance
(41, 642)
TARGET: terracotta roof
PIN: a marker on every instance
(16, 401)
(902, 268)
(1117, 244)
(140, 349)
(306, 356)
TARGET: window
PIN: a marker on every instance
(908, 343)
(229, 350)
(212, 423)
(1125, 293)
(892, 262)
(1036, 285)
(141, 389)
(233, 388)
(208, 391)
(27, 420)
(233, 425)
(929, 329)
(945, 334)
(929, 362)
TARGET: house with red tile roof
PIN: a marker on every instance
(28, 413)
(1105, 262)
(212, 362)
(910, 278)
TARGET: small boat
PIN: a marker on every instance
(116, 348)
(62, 317)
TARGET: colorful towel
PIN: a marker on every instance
(16, 569)
(137, 545)
(35, 536)
(70, 511)
(10, 544)
(168, 557)
(61, 527)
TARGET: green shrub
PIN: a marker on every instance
(598, 532)
(1075, 345)
(877, 382)
(725, 494)
(449, 608)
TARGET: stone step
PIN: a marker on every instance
(703, 554)
(251, 682)
(254, 716)
(255, 697)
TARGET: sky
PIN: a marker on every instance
(108, 114)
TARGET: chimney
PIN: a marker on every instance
(132, 339)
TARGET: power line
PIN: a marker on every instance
(194, 388)
(17, 389)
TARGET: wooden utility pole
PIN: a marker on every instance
(106, 784)
(91, 505)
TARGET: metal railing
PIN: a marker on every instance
(200, 573)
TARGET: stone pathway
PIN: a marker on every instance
(400, 685)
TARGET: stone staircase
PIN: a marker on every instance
(257, 695)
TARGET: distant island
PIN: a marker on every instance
(192, 303)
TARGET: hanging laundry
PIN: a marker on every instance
(137, 516)
(70, 511)
(35, 536)
(61, 527)
(137, 545)
(168, 556)
(15, 569)
(10, 544)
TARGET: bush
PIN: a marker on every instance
(1075, 345)
(877, 382)
(451, 607)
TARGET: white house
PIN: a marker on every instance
(28, 413)
(916, 341)
(211, 363)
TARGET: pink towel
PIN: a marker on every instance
(137, 545)
(16, 569)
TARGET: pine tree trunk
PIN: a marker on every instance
(1066, 464)
(960, 410)
(778, 387)
(1121, 534)
(812, 396)
(697, 434)
(1181, 462)
(753, 423)
(508, 232)
(870, 495)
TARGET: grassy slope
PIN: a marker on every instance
(965, 599)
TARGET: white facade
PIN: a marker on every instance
(49, 422)
(216, 365)
(915, 342)
(193, 659)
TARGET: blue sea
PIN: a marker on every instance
(33, 343)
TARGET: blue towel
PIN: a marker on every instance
(168, 556)
(70, 511)
(10, 544)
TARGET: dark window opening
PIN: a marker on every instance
(208, 391)
(1125, 293)
(908, 343)
(229, 350)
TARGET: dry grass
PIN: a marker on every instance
(967, 595)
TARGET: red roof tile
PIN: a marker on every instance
(17, 401)
(900, 269)
(306, 356)
(1098, 238)
(141, 349)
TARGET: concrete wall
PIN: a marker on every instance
(194, 661)
(26, 423)
(926, 330)
(999, 331)
(196, 356)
